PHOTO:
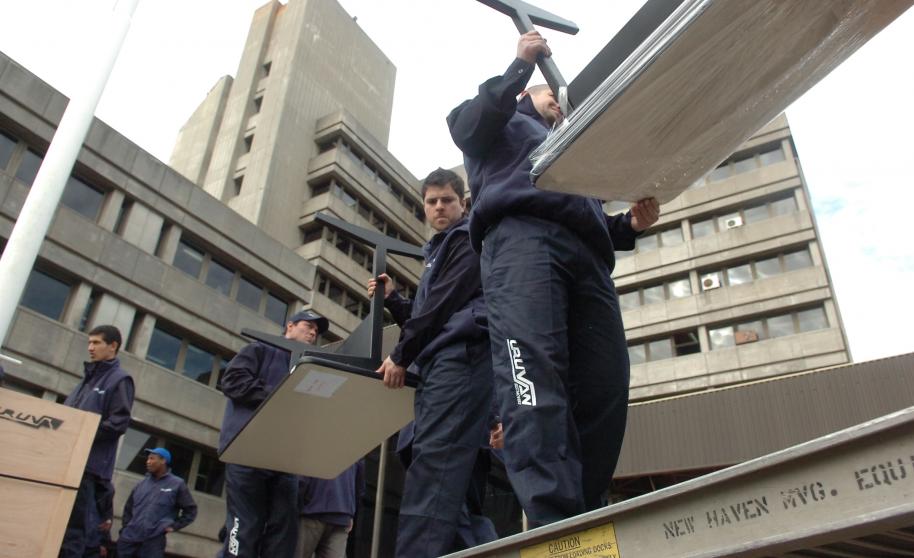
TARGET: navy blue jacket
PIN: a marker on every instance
(448, 306)
(108, 391)
(248, 380)
(497, 134)
(332, 501)
(155, 504)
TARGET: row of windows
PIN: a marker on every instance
(202, 266)
(355, 304)
(206, 475)
(735, 274)
(745, 161)
(382, 180)
(179, 353)
(769, 327)
(349, 198)
(678, 344)
(752, 214)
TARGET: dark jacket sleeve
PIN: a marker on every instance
(117, 413)
(621, 231)
(128, 509)
(187, 508)
(474, 124)
(242, 382)
(400, 307)
(459, 280)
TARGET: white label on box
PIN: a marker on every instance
(320, 384)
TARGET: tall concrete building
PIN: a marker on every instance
(302, 129)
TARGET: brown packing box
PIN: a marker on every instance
(45, 447)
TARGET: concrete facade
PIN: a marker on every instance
(739, 250)
(312, 98)
(117, 265)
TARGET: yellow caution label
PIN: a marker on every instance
(597, 542)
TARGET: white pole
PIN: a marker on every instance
(44, 196)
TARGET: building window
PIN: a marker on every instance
(131, 456)
(237, 183)
(120, 224)
(179, 354)
(267, 66)
(768, 327)
(249, 294)
(188, 259)
(751, 214)
(28, 167)
(651, 241)
(248, 143)
(198, 364)
(220, 277)
(277, 309)
(7, 146)
(649, 294)
(258, 104)
(182, 457)
(351, 301)
(746, 272)
(83, 198)
(679, 344)
(164, 349)
(738, 163)
(46, 294)
(87, 312)
(210, 475)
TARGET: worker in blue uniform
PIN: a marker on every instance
(443, 335)
(328, 508)
(262, 505)
(558, 345)
(107, 390)
(158, 505)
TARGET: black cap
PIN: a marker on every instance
(310, 316)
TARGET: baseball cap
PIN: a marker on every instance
(310, 316)
(161, 452)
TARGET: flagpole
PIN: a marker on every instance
(44, 195)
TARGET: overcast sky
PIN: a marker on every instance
(853, 131)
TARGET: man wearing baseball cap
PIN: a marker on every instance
(159, 505)
(262, 505)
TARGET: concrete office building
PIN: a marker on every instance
(302, 129)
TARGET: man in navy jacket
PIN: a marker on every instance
(558, 345)
(443, 334)
(262, 505)
(108, 391)
(158, 505)
(327, 508)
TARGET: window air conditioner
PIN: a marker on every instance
(709, 282)
(734, 222)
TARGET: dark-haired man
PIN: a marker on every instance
(158, 505)
(558, 345)
(107, 390)
(443, 335)
(262, 505)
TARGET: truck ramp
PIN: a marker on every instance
(847, 494)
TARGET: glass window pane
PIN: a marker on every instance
(797, 260)
(131, 456)
(277, 309)
(686, 343)
(627, 301)
(812, 319)
(739, 274)
(719, 173)
(335, 293)
(780, 326)
(755, 326)
(744, 165)
(198, 364)
(210, 475)
(249, 294)
(636, 354)
(45, 294)
(188, 259)
(82, 198)
(654, 294)
(755, 214)
(721, 337)
(182, 457)
(680, 288)
(770, 157)
(671, 237)
(163, 349)
(646, 243)
(702, 228)
(28, 167)
(7, 145)
(660, 349)
(783, 207)
(767, 267)
(220, 277)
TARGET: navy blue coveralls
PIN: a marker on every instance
(327, 508)
(444, 334)
(262, 514)
(558, 345)
(153, 505)
(108, 391)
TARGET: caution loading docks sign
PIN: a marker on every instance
(597, 542)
